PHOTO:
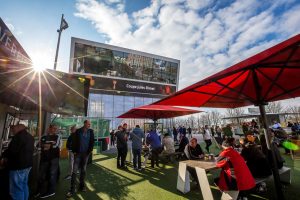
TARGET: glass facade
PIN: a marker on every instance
(111, 106)
(101, 61)
(121, 79)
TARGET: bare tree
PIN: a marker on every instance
(296, 111)
(234, 113)
(274, 107)
(215, 117)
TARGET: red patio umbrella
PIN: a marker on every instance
(156, 112)
(271, 75)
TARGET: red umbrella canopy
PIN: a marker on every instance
(271, 75)
(156, 112)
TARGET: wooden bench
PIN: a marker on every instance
(284, 173)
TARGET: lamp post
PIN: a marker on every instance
(63, 25)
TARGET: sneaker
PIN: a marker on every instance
(68, 177)
(69, 194)
(44, 196)
(139, 169)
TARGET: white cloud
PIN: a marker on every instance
(205, 36)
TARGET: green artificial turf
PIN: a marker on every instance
(105, 181)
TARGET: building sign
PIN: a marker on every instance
(12, 54)
(111, 85)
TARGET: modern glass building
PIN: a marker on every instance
(122, 78)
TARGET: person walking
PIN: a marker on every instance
(137, 136)
(71, 154)
(122, 147)
(49, 165)
(82, 147)
(155, 145)
(19, 159)
(207, 138)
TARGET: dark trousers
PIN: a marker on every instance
(80, 162)
(193, 174)
(136, 158)
(112, 141)
(208, 143)
(154, 156)
(122, 153)
(48, 175)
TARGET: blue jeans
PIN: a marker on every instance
(136, 158)
(18, 184)
(80, 163)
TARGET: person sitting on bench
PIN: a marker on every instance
(168, 145)
(279, 159)
(256, 161)
(235, 175)
(193, 151)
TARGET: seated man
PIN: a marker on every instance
(168, 145)
(193, 151)
(256, 161)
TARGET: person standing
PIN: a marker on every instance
(155, 145)
(82, 146)
(49, 164)
(71, 155)
(19, 158)
(207, 138)
(137, 136)
(112, 138)
(189, 132)
(175, 133)
(122, 147)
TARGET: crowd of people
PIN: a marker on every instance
(18, 158)
(247, 159)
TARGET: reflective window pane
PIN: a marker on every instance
(107, 101)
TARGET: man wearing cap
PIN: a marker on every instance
(19, 158)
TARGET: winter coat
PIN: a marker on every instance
(229, 158)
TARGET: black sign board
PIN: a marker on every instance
(121, 86)
(12, 54)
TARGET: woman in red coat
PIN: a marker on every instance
(235, 174)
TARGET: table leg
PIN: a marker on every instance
(183, 179)
(204, 184)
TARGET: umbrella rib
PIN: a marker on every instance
(284, 93)
(280, 72)
(233, 90)
(279, 86)
(224, 87)
(245, 82)
(213, 95)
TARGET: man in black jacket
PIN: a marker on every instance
(49, 165)
(82, 146)
(19, 157)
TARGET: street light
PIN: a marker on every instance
(63, 25)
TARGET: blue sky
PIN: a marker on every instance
(205, 35)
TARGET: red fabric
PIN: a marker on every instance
(244, 178)
(157, 112)
(277, 70)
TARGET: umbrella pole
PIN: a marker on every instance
(278, 187)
